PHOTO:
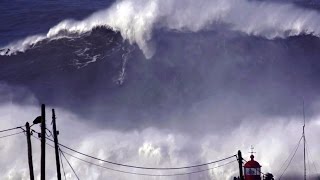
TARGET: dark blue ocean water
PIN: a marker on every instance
(21, 18)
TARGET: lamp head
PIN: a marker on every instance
(37, 120)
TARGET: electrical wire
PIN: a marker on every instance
(65, 177)
(10, 129)
(141, 174)
(308, 163)
(291, 158)
(64, 172)
(49, 132)
(285, 162)
(70, 165)
(61, 153)
(313, 162)
(140, 167)
(11, 134)
(152, 175)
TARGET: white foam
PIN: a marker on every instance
(136, 19)
(274, 139)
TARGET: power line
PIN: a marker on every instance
(64, 172)
(140, 167)
(152, 175)
(70, 165)
(150, 168)
(291, 158)
(61, 152)
(11, 134)
(53, 148)
(141, 174)
(10, 129)
(308, 163)
(313, 162)
(285, 162)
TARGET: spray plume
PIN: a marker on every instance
(137, 19)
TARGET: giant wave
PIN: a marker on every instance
(136, 20)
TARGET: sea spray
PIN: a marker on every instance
(136, 20)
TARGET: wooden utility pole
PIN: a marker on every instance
(240, 165)
(56, 147)
(43, 142)
(29, 151)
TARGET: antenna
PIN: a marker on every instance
(304, 142)
(252, 148)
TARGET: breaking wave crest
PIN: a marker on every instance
(136, 20)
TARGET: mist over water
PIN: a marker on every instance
(165, 83)
(155, 147)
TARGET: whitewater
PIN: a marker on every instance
(137, 19)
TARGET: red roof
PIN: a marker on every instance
(252, 163)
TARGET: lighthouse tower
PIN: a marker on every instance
(252, 169)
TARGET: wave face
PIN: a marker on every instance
(136, 20)
(191, 76)
(204, 63)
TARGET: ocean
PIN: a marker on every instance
(94, 68)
